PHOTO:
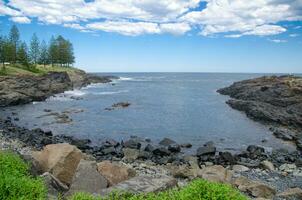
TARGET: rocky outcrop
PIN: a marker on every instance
(22, 89)
(15, 90)
(61, 160)
(143, 184)
(270, 100)
(115, 173)
(87, 179)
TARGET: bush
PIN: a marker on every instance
(15, 180)
(196, 190)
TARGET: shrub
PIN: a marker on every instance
(15, 180)
(196, 190)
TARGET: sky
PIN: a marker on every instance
(258, 36)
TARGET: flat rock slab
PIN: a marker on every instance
(87, 179)
(143, 184)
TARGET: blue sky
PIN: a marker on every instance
(168, 35)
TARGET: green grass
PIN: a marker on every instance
(196, 190)
(17, 184)
(15, 180)
(17, 69)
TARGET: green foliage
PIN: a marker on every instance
(15, 181)
(34, 49)
(14, 51)
(196, 190)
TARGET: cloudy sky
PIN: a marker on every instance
(168, 35)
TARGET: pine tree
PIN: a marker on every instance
(44, 53)
(2, 55)
(53, 51)
(70, 54)
(23, 54)
(14, 37)
(34, 49)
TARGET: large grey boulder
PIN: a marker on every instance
(61, 160)
(144, 184)
(87, 179)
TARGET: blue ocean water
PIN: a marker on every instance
(182, 106)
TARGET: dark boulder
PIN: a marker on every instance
(149, 148)
(207, 149)
(166, 142)
(161, 151)
(174, 148)
(186, 145)
(132, 143)
(227, 157)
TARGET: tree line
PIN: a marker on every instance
(58, 51)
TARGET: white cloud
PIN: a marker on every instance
(294, 35)
(277, 40)
(175, 28)
(232, 18)
(21, 20)
(125, 27)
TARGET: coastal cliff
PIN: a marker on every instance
(22, 89)
(273, 100)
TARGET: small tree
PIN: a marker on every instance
(23, 55)
(14, 38)
(34, 49)
(44, 53)
(2, 55)
(53, 51)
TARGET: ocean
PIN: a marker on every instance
(182, 106)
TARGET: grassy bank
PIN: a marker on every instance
(15, 181)
(17, 69)
(17, 184)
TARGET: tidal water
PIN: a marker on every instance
(182, 106)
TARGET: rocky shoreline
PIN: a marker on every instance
(140, 165)
(22, 89)
(273, 100)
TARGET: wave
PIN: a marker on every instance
(110, 92)
(75, 93)
(125, 79)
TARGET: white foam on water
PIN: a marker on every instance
(110, 92)
(75, 93)
(125, 79)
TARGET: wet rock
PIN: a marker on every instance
(227, 157)
(166, 142)
(87, 179)
(186, 145)
(115, 173)
(207, 149)
(144, 155)
(111, 143)
(47, 110)
(61, 160)
(161, 151)
(174, 148)
(109, 151)
(149, 148)
(119, 105)
(283, 133)
(132, 143)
